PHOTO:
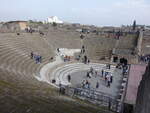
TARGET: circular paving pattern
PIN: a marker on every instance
(78, 71)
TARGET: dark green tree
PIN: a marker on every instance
(134, 25)
(54, 24)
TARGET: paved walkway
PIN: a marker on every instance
(45, 69)
(78, 74)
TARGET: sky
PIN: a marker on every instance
(91, 12)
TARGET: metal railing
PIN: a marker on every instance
(95, 97)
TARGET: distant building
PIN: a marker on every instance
(15, 25)
(53, 19)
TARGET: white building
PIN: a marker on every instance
(54, 19)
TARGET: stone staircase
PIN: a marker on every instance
(15, 55)
(99, 48)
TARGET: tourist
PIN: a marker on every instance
(97, 85)
(102, 72)
(87, 75)
(106, 73)
(65, 58)
(83, 51)
(83, 83)
(69, 78)
(87, 84)
(88, 61)
(111, 78)
(108, 66)
(40, 59)
(69, 58)
(51, 58)
(85, 59)
(108, 81)
(105, 78)
(83, 47)
(36, 58)
(32, 55)
(96, 74)
(91, 70)
(60, 88)
(58, 50)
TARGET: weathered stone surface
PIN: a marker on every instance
(143, 96)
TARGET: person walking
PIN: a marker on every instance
(102, 72)
(97, 85)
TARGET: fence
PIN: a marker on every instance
(95, 97)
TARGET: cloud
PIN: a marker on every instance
(116, 13)
(134, 9)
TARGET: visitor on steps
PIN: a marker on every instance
(85, 59)
(37, 58)
(40, 59)
(51, 58)
(58, 50)
(32, 55)
(88, 61)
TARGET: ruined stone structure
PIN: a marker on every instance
(15, 25)
(143, 96)
(139, 43)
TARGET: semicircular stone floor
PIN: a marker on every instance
(78, 71)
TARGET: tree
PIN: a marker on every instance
(134, 24)
(54, 24)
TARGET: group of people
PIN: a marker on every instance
(29, 30)
(86, 84)
(107, 76)
(90, 73)
(124, 68)
(145, 59)
(64, 57)
(37, 58)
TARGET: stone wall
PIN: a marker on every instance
(143, 96)
(139, 43)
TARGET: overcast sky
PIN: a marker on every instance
(96, 12)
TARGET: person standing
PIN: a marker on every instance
(32, 55)
(69, 78)
(97, 85)
(111, 78)
(108, 81)
(102, 72)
